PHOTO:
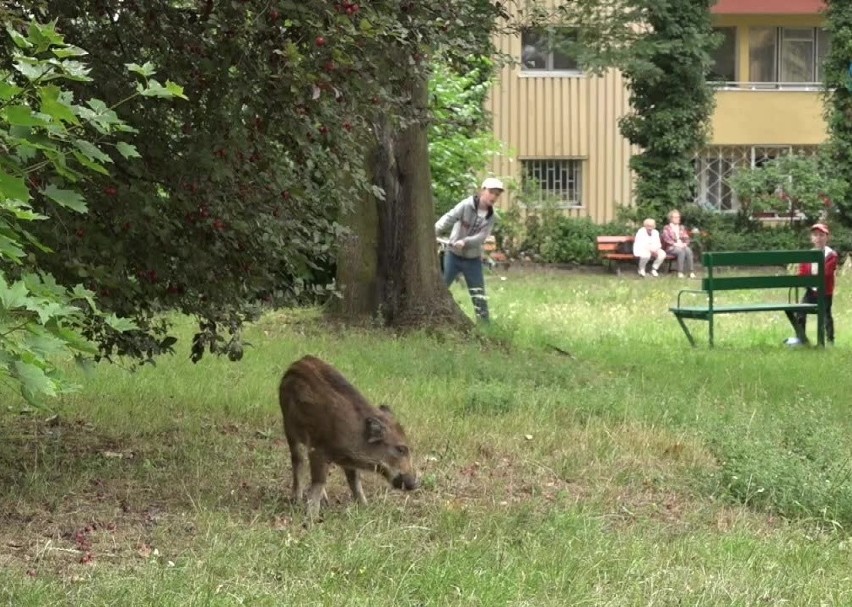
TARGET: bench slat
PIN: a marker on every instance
(760, 258)
(703, 311)
(730, 283)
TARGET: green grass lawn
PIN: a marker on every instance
(633, 471)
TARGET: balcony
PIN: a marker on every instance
(765, 113)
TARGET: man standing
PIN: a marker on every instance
(471, 221)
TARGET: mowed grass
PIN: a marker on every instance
(583, 455)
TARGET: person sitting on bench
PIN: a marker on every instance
(676, 242)
(647, 245)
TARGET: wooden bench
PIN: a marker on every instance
(712, 283)
(620, 248)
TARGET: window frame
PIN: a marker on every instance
(549, 69)
(817, 39)
(736, 31)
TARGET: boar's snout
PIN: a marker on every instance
(405, 481)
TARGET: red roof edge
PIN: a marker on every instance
(768, 7)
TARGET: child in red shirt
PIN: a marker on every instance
(819, 238)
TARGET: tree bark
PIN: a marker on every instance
(388, 265)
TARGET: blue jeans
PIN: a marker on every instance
(471, 269)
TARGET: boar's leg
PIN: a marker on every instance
(319, 474)
(297, 458)
(353, 477)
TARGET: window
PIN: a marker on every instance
(787, 55)
(822, 50)
(724, 68)
(717, 164)
(553, 179)
(549, 50)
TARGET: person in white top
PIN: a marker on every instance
(647, 246)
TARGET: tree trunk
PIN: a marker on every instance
(388, 266)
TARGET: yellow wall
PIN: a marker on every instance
(564, 117)
(745, 117)
(539, 116)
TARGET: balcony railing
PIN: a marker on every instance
(767, 86)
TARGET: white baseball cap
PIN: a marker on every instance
(492, 183)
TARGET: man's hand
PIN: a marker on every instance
(458, 245)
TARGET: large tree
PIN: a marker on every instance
(388, 267)
(298, 111)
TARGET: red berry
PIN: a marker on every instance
(320, 41)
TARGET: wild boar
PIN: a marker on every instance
(325, 415)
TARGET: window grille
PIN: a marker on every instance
(716, 165)
(558, 180)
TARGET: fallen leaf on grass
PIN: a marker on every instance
(144, 551)
(117, 454)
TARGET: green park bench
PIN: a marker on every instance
(713, 283)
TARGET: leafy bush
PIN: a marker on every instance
(51, 146)
(792, 185)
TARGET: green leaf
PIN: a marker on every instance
(74, 339)
(90, 164)
(21, 115)
(152, 89)
(13, 296)
(19, 39)
(43, 344)
(175, 89)
(127, 150)
(33, 71)
(13, 186)
(66, 198)
(54, 106)
(69, 51)
(11, 249)
(33, 380)
(155, 89)
(45, 35)
(9, 91)
(81, 292)
(120, 324)
(143, 70)
(74, 70)
(91, 150)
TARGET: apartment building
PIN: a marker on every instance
(560, 125)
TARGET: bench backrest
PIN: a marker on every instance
(613, 244)
(750, 259)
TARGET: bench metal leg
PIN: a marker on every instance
(710, 321)
(686, 331)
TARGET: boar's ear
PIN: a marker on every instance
(375, 430)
